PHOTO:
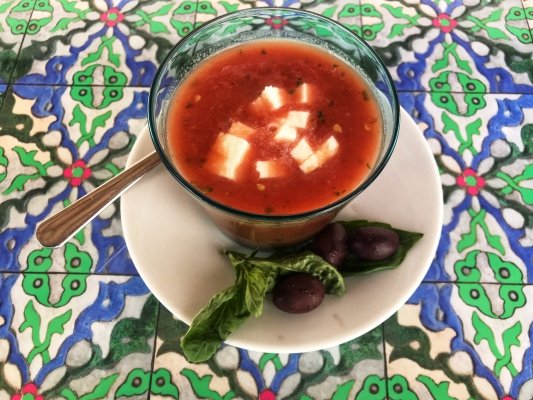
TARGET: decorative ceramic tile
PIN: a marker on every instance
(102, 43)
(77, 323)
(346, 371)
(447, 344)
(14, 16)
(74, 335)
(73, 139)
(483, 150)
(471, 47)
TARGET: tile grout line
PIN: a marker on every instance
(385, 363)
(420, 91)
(158, 312)
(9, 81)
(528, 23)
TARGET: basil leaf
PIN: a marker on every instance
(224, 313)
(355, 266)
(255, 277)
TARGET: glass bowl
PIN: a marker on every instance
(262, 230)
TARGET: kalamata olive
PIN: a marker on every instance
(331, 243)
(373, 243)
(298, 293)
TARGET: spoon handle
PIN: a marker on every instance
(56, 230)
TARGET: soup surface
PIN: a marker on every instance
(274, 127)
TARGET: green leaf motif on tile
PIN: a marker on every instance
(27, 159)
(38, 286)
(350, 11)
(229, 7)
(182, 27)
(440, 391)
(520, 183)
(521, 33)
(40, 260)
(398, 12)
(343, 391)
(186, 7)
(162, 384)
(70, 7)
(270, 357)
(474, 295)
(509, 339)
(450, 51)
(201, 386)
(505, 271)
(374, 388)
(205, 7)
(137, 383)
(329, 12)
(4, 163)
(470, 238)
(465, 141)
(513, 298)
(98, 55)
(32, 321)
(398, 389)
(149, 19)
(87, 133)
(101, 391)
(482, 25)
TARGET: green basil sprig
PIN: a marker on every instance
(255, 277)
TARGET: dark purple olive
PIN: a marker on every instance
(298, 293)
(331, 243)
(373, 243)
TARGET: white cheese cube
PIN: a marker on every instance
(326, 151)
(271, 97)
(298, 119)
(226, 155)
(269, 169)
(310, 164)
(303, 93)
(241, 130)
(286, 133)
(302, 151)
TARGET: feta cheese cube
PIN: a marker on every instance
(302, 151)
(286, 133)
(269, 169)
(241, 130)
(226, 155)
(303, 93)
(298, 119)
(271, 97)
(325, 152)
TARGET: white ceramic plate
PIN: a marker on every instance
(175, 249)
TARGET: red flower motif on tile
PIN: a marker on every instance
(276, 22)
(77, 173)
(444, 22)
(28, 392)
(112, 17)
(470, 180)
(507, 398)
(267, 394)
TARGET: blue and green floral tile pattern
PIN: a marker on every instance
(78, 322)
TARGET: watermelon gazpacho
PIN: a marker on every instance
(274, 127)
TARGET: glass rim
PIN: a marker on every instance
(316, 212)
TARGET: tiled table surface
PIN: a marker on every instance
(78, 322)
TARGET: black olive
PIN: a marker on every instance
(298, 293)
(331, 243)
(373, 243)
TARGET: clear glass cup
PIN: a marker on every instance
(261, 230)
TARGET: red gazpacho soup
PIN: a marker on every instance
(274, 127)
